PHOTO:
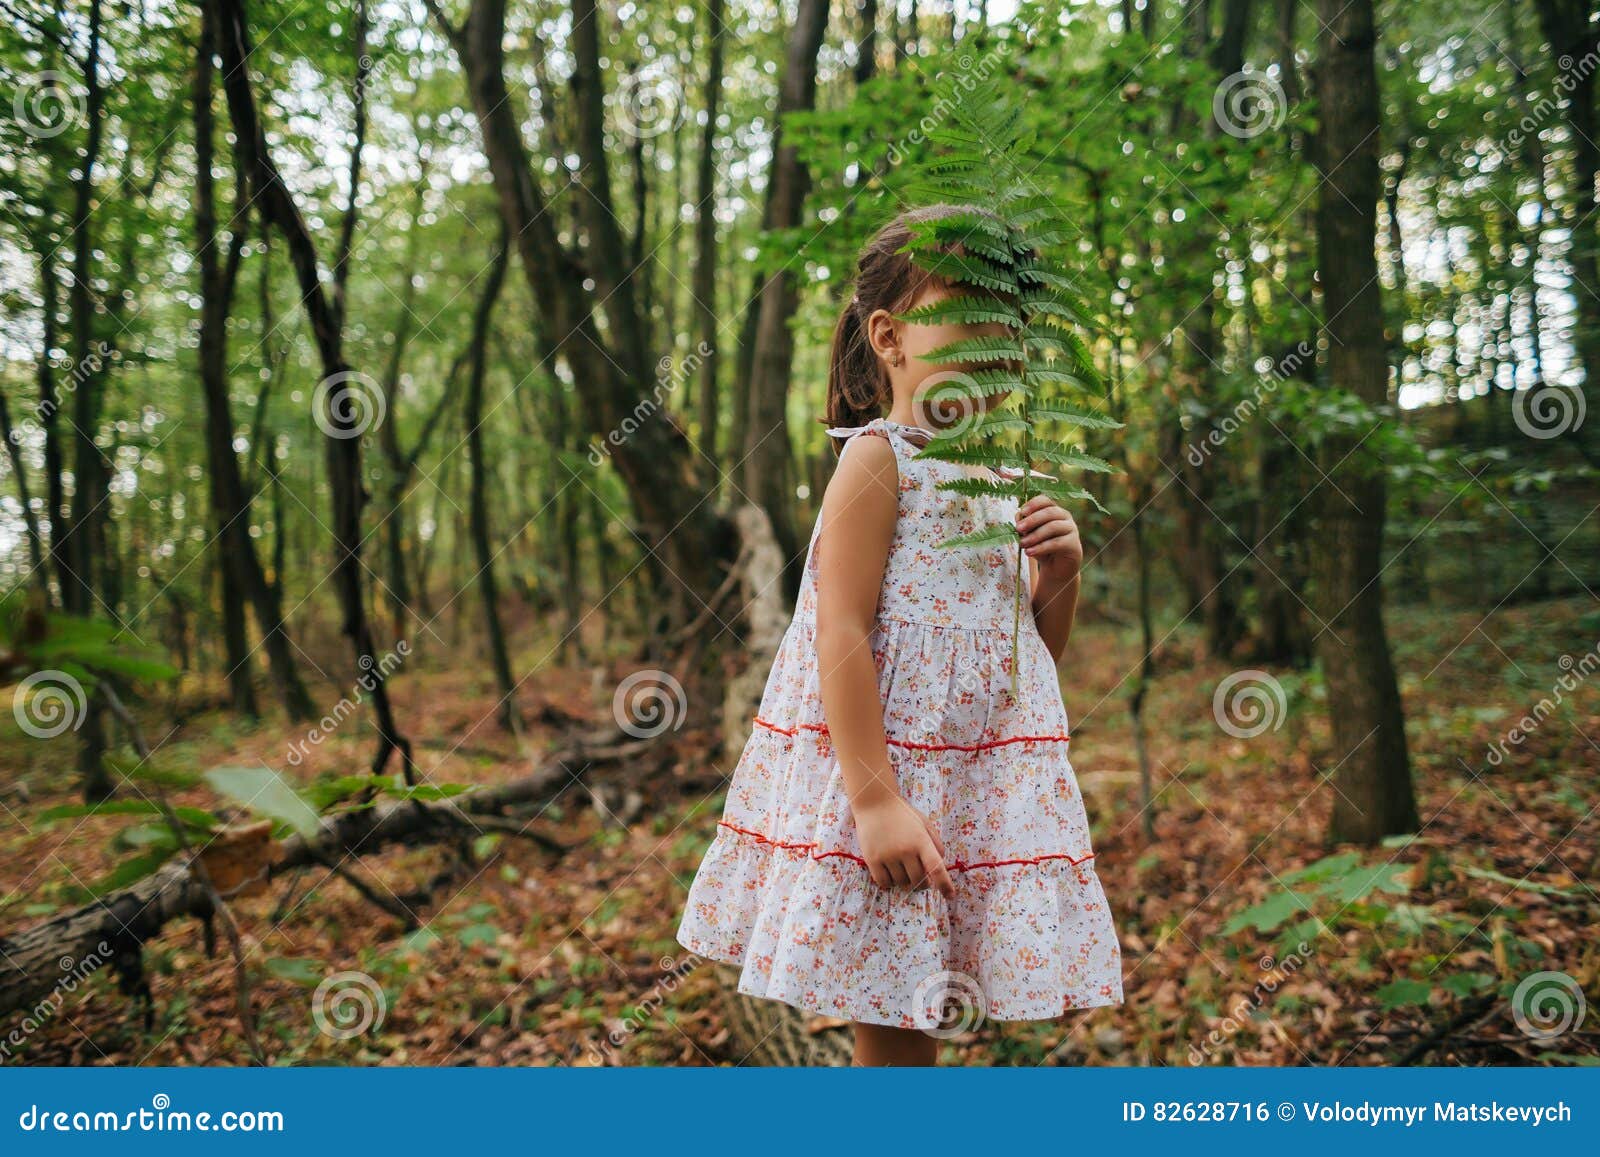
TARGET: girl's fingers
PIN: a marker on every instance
(939, 877)
(1060, 528)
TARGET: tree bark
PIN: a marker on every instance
(478, 500)
(1373, 795)
(620, 408)
(276, 204)
(240, 565)
(767, 473)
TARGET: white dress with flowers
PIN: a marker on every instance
(783, 890)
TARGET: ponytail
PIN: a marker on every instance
(858, 386)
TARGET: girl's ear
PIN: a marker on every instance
(883, 333)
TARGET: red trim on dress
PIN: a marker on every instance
(956, 866)
(823, 729)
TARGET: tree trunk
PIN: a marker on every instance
(242, 575)
(1373, 795)
(478, 501)
(767, 476)
(649, 451)
(705, 259)
(276, 204)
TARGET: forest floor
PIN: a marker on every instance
(1406, 951)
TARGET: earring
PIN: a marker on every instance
(897, 359)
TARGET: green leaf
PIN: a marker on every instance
(1065, 456)
(976, 349)
(967, 270)
(982, 487)
(192, 816)
(1403, 993)
(265, 792)
(1000, 532)
(297, 970)
(1074, 417)
(966, 310)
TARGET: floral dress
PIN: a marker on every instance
(783, 890)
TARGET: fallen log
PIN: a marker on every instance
(39, 963)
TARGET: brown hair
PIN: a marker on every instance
(886, 278)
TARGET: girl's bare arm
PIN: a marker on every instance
(858, 515)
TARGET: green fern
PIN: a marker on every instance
(1004, 254)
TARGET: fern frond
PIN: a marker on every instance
(1066, 456)
(977, 349)
(1063, 492)
(1053, 412)
(970, 270)
(977, 384)
(964, 311)
(989, 536)
(982, 487)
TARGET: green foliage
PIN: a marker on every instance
(999, 247)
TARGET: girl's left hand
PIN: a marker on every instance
(1050, 538)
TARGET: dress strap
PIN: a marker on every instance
(887, 426)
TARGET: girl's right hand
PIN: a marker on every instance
(901, 848)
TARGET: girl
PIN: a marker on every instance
(900, 831)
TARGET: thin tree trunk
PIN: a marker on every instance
(705, 260)
(767, 476)
(275, 203)
(478, 501)
(1373, 795)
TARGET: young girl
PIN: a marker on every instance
(900, 830)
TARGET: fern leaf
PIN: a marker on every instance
(1074, 417)
(963, 311)
(970, 270)
(999, 532)
(977, 349)
(983, 487)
